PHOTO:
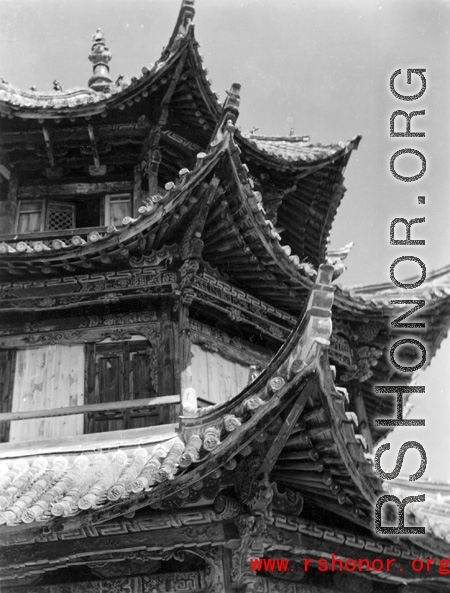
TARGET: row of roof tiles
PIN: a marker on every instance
(36, 488)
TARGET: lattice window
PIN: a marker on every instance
(60, 216)
(42, 215)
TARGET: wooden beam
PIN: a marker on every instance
(89, 408)
(69, 189)
(281, 439)
(94, 146)
(48, 146)
(152, 144)
(168, 95)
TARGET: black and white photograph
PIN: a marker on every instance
(224, 296)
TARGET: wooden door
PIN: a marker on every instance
(120, 372)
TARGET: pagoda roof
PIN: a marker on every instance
(159, 222)
(308, 176)
(269, 243)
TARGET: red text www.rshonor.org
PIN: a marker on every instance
(335, 564)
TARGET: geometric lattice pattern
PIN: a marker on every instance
(60, 217)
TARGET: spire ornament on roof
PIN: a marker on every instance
(100, 56)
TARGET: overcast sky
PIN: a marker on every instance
(321, 67)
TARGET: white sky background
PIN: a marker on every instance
(322, 67)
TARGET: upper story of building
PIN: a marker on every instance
(142, 230)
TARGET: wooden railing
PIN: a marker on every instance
(135, 404)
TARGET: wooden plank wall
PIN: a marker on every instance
(214, 377)
(48, 377)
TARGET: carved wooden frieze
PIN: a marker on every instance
(233, 348)
(341, 352)
(29, 558)
(121, 526)
(180, 142)
(236, 296)
(149, 275)
(357, 347)
(241, 307)
(109, 287)
(93, 328)
(180, 582)
(77, 322)
(193, 581)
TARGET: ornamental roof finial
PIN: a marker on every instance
(100, 57)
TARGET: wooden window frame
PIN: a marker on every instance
(106, 212)
(43, 206)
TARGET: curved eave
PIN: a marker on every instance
(77, 103)
(373, 304)
(378, 297)
(309, 189)
(376, 301)
(165, 463)
(107, 244)
(238, 238)
(246, 247)
(209, 96)
(254, 241)
(300, 156)
(82, 102)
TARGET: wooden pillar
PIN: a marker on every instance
(167, 380)
(8, 207)
(154, 158)
(361, 413)
(184, 347)
(137, 190)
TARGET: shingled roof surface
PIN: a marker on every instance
(292, 148)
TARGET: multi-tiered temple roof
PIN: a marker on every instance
(231, 231)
